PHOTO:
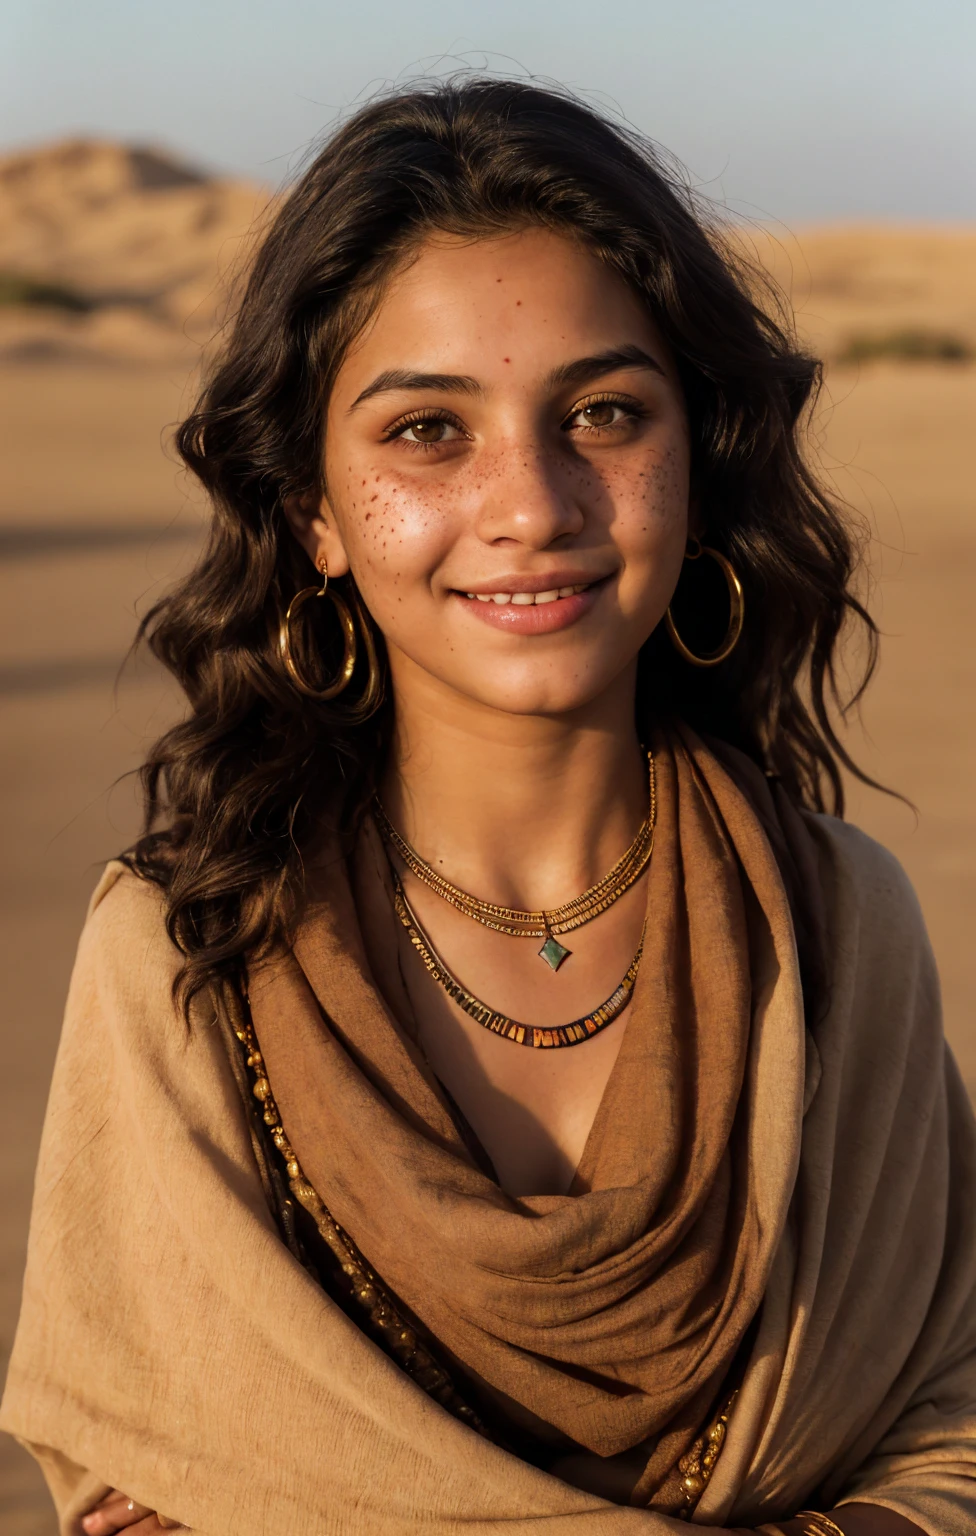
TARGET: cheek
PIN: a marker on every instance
(651, 501)
(391, 529)
(671, 477)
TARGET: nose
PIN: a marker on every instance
(526, 498)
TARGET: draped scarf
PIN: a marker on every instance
(170, 1344)
(613, 1313)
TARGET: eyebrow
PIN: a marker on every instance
(601, 363)
(405, 378)
(594, 367)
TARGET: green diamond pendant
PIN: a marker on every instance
(554, 953)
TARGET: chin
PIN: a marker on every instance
(536, 696)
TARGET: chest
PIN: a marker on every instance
(532, 1109)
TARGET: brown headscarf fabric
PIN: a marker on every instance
(170, 1344)
(612, 1313)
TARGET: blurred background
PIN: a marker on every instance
(138, 146)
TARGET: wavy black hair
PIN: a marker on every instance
(234, 793)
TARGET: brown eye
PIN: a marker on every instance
(428, 431)
(431, 431)
(600, 413)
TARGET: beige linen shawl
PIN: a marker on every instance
(170, 1345)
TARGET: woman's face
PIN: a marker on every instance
(507, 466)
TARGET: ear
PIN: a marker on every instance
(311, 521)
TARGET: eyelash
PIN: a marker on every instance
(627, 403)
(633, 408)
(426, 413)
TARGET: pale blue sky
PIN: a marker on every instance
(786, 110)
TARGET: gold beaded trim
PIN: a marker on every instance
(535, 925)
(534, 1035)
(820, 1524)
(384, 1322)
(698, 1463)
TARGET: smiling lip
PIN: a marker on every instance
(532, 605)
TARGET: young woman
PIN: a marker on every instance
(494, 1094)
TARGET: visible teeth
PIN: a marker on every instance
(526, 599)
(470, 595)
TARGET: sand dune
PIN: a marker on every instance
(871, 280)
(150, 244)
(154, 246)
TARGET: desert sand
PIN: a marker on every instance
(96, 519)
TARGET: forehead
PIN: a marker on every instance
(518, 302)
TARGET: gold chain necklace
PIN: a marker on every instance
(543, 924)
(499, 1023)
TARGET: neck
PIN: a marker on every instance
(525, 811)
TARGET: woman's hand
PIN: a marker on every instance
(117, 1512)
(851, 1520)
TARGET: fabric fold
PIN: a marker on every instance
(615, 1312)
(171, 1345)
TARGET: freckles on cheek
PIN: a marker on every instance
(672, 486)
(397, 527)
(664, 486)
(650, 496)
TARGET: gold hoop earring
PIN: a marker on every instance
(332, 690)
(737, 611)
(375, 690)
(352, 618)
